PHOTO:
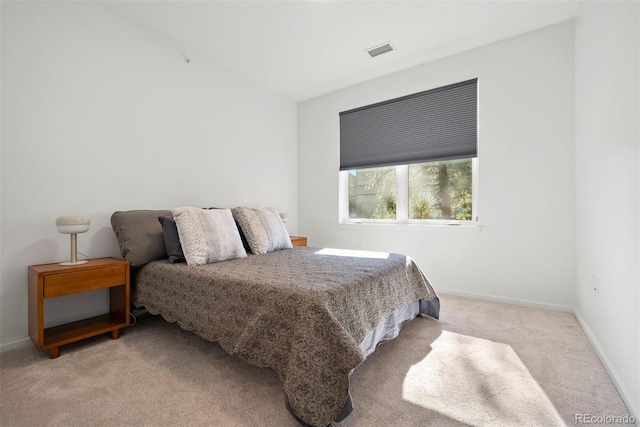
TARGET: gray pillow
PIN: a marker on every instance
(171, 239)
(140, 235)
(263, 229)
(245, 244)
(208, 235)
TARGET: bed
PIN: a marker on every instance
(310, 314)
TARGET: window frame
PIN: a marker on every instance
(402, 201)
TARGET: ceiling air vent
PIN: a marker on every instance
(380, 49)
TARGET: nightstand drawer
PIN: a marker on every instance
(298, 240)
(81, 281)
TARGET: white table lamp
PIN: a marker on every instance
(73, 224)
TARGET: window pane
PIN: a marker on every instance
(372, 193)
(441, 190)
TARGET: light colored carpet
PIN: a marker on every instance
(482, 364)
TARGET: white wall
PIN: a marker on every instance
(525, 251)
(99, 115)
(607, 186)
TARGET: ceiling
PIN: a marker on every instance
(303, 49)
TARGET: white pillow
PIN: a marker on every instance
(263, 229)
(208, 235)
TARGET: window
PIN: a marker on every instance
(439, 192)
(372, 193)
(411, 159)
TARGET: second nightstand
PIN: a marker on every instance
(53, 280)
(298, 240)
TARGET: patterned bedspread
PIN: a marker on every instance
(301, 312)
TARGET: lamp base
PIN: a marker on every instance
(73, 263)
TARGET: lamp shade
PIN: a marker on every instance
(72, 224)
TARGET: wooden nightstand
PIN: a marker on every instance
(298, 241)
(53, 280)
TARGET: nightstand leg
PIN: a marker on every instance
(115, 334)
(54, 352)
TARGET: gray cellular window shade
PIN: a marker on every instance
(438, 124)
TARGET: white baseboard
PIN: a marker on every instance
(514, 301)
(24, 342)
(632, 405)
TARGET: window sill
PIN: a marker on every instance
(474, 228)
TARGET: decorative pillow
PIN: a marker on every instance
(245, 244)
(140, 235)
(263, 229)
(208, 235)
(171, 239)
